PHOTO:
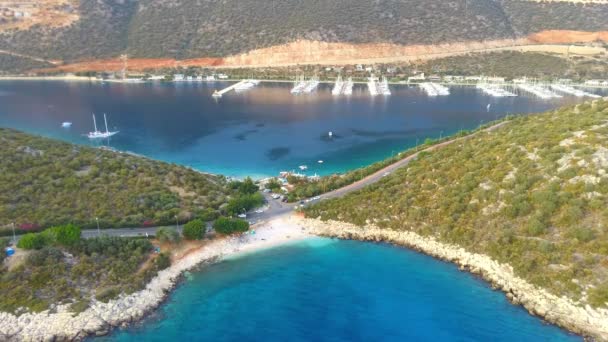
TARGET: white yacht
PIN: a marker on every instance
(98, 134)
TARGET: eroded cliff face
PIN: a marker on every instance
(304, 52)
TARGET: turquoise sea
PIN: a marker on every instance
(321, 289)
(331, 290)
(256, 133)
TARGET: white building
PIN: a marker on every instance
(178, 77)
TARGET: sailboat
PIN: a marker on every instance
(98, 134)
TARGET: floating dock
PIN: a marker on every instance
(240, 86)
(539, 91)
(342, 87)
(495, 90)
(377, 87)
(572, 91)
(303, 86)
(434, 89)
(372, 86)
(383, 87)
(338, 86)
(348, 87)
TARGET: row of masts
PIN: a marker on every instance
(342, 87)
(305, 86)
(376, 86)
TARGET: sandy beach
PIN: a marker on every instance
(100, 318)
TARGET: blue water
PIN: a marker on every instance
(257, 133)
(329, 290)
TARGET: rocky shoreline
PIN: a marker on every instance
(61, 324)
(586, 321)
(100, 318)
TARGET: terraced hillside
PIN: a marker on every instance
(185, 29)
(44, 182)
(533, 194)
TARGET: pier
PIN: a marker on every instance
(376, 87)
(538, 90)
(572, 91)
(372, 86)
(240, 86)
(434, 89)
(342, 87)
(495, 90)
(303, 86)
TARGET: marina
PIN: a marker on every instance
(267, 128)
(538, 90)
(572, 91)
(494, 90)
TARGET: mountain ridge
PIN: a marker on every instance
(184, 29)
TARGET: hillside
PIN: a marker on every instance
(532, 194)
(44, 182)
(187, 29)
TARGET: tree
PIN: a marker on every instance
(32, 241)
(167, 234)
(67, 235)
(162, 261)
(194, 230)
(225, 225)
(273, 185)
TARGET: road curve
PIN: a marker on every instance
(277, 208)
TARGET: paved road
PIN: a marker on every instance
(276, 207)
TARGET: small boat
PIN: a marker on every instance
(98, 134)
(488, 107)
(303, 167)
(66, 124)
(320, 162)
(331, 134)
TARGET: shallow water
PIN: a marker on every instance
(259, 132)
(331, 290)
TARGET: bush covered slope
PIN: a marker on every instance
(185, 28)
(533, 194)
(45, 182)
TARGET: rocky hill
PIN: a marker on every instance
(532, 194)
(44, 182)
(186, 29)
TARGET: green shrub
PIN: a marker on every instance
(273, 185)
(194, 230)
(168, 234)
(207, 215)
(225, 225)
(33, 241)
(162, 261)
(67, 235)
(107, 293)
(244, 203)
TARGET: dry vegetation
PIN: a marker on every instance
(533, 194)
(23, 14)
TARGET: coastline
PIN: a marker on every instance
(561, 311)
(100, 318)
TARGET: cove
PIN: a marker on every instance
(256, 133)
(332, 290)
